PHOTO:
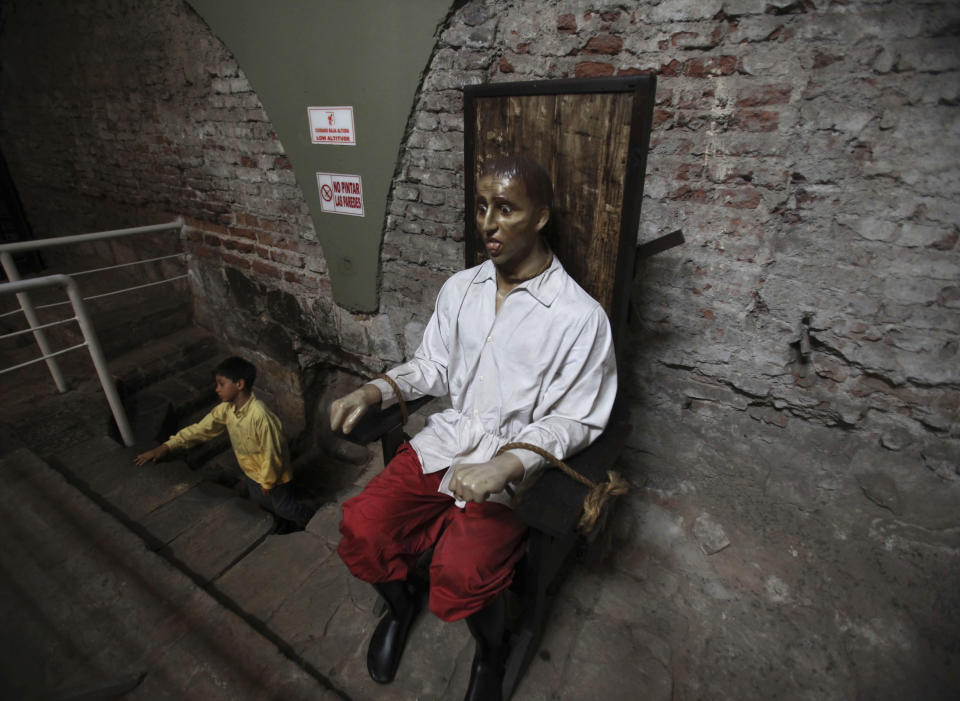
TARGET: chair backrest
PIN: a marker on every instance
(592, 137)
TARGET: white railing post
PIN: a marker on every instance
(13, 275)
(99, 362)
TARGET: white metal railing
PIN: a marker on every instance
(112, 292)
(89, 340)
(22, 287)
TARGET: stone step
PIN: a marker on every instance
(201, 526)
(176, 518)
(123, 322)
(163, 382)
(151, 416)
(221, 468)
(189, 353)
(326, 616)
(189, 391)
(156, 417)
(105, 470)
(153, 486)
(86, 607)
(144, 320)
(190, 349)
(222, 529)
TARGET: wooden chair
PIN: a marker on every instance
(592, 136)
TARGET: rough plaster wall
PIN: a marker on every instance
(792, 368)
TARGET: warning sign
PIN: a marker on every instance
(332, 125)
(340, 194)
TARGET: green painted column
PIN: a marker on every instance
(364, 54)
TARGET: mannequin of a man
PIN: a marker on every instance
(525, 356)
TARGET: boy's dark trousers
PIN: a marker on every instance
(280, 501)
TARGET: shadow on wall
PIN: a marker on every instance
(327, 464)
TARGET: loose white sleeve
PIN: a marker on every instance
(577, 403)
(426, 373)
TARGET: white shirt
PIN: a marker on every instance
(541, 371)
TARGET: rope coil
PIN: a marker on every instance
(599, 493)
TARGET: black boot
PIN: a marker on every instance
(488, 627)
(386, 644)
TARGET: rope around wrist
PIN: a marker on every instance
(396, 390)
(599, 492)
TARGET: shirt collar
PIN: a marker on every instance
(544, 287)
(242, 411)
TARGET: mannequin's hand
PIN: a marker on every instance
(476, 481)
(346, 411)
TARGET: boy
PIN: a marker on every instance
(526, 356)
(256, 435)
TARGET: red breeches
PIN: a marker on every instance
(400, 514)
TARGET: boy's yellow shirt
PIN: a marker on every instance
(256, 435)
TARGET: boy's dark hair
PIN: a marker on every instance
(237, 369)
(535, 179)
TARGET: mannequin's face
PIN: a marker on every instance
(508, 221)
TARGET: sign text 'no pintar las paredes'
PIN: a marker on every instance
(340, 194)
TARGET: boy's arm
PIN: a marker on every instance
(272, 450)
(210, 426)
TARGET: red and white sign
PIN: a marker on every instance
(340, 194)
(332, 125)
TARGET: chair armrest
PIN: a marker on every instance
(377, 423)
(555, 501)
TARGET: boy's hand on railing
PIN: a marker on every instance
(158, 453)
(346, 411)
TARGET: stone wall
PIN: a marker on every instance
(793, 368)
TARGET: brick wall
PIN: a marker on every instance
(118, 114)
(809, 178)
(793, 367)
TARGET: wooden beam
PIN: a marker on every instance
(659, 245)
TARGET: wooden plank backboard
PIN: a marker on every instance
(592, 137)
